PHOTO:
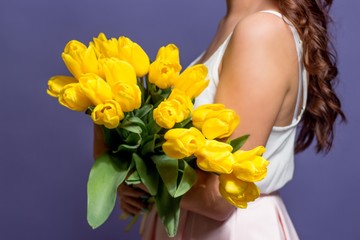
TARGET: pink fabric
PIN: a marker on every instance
(264, 219)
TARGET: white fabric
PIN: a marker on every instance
(281, 142)
(264, 219)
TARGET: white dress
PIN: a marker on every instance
(266, 218)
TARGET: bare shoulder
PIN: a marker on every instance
(267, 39)
(262, 27)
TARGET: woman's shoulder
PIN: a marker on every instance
(263, 36)
(262, 26)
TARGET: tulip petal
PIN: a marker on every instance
(57, 83)
(237, 192)
(214, 128)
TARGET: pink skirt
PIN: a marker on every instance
(266, 218)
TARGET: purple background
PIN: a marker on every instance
(46, 150)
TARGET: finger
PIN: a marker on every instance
(126, 190)
(142, 187)
(134, 202)
(132, 205)
(130, 209)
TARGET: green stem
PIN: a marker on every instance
(132, 222)
(147, 100)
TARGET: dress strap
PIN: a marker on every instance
(273, 12)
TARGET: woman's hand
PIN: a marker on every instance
(205, 199)
(133, 199)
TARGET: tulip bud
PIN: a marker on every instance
(131, 52)
(108, 114)
(237, 192)
(127, 95)
(168, 113)
(215, 121)
(169, 52)
(162, 73)
(116, 70)
(57, 83)
(95, 88)
(193, 80)
(182, 142)
(105, 48)
(215, 156)
(249, 165)
(72, 97)
(79, 59)
(184, 100)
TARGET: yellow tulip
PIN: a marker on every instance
(116, 70)
(108, 114)
(249, 165)
(215, 121)
(215, 156)
(56, 84)
(184, 100)
(203, 112)
(168, 113)
(122, 49)
(127, 95)
(169, 52)
(166, 67)
(182, 142)
(72, 97)
(105, 48)
(131, 52)
(95, 88)
(236, 191)
(162, 73)
(79, 59)
(193, 80)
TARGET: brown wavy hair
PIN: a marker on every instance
(311, 18)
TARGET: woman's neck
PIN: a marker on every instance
(237, 9)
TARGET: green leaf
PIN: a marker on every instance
(133, 129)
(183, 123)
(127, 148)
(147, 173)
(134, 125)
(237, 143)
(111, 137)
(187, 180)
(134, 178)
(149, 144)
(136, 121)
(141, 85)
(104, 179)
(143, 111)
(177, 175)
(168, 169)
(133, 139)
(168, 209)
(158, 95)
(152, 127)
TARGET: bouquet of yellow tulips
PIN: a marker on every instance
(154, 135)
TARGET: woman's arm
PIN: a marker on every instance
(205, 199)
(259, 76)
(256, 70)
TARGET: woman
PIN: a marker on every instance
(267, 61)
